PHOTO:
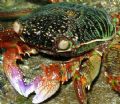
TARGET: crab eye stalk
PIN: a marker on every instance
(64, 45)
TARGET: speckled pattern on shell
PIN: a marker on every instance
(84, 26)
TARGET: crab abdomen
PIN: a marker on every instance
(66, 28)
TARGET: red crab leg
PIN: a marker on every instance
(85, 75)
(79, 85)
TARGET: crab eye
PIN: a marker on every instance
(16, 27)
(64, 45)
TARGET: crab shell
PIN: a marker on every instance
(65, 29)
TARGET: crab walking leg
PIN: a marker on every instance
(86, 74)
(79, 86)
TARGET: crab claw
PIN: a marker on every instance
(14, 73)
(48, 84)
(45, 88)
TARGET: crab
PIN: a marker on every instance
(74, 32)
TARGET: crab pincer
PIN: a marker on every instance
(44, 86)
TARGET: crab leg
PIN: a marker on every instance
(85, 75)
(79, 85)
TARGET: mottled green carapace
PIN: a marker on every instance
(66, 29)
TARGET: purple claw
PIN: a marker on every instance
(45, 89)
(42, 86)
(15, 77)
